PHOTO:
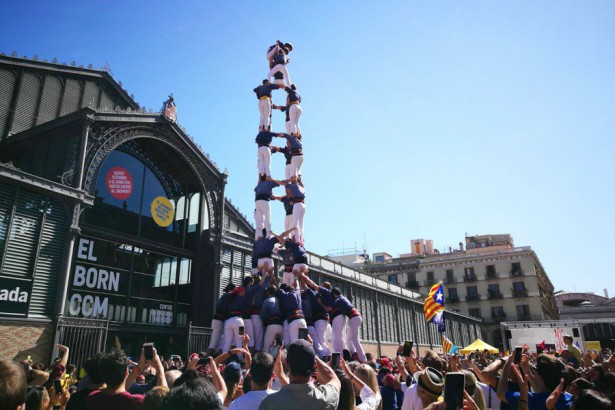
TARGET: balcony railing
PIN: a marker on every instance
(524, 317)
(495, 295)
(519, 293)
(516, 273)
(472, 298)
(499, 316)
(429, 282)
(412, 284)
(452, 299)
(492, 275)
(469, 278)
(450, 280)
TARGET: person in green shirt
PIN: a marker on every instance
(573, 351)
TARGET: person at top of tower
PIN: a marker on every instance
(272, 50)
(295, 146)
(280, 60)
(263, 93)
(262, 212)
(263, 140)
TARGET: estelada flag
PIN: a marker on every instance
(434, 302)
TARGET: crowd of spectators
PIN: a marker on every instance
(296, 378)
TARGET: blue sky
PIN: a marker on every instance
(420, 119)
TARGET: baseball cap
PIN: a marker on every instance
(300, 357)
(232, 372)
(386, 362)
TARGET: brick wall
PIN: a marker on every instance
(17, 341)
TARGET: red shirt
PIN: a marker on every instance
(125, 401)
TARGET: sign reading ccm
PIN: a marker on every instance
(92, 278)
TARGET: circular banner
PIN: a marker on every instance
(163, 211)
(119, 183)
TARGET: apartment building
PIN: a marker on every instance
(487, 278)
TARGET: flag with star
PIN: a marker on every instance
(434, 303)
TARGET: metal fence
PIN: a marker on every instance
(83, 337)
(198, 339)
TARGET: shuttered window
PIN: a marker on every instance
(25, 219)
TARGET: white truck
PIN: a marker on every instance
(533, 334)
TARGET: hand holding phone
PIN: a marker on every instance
(518, 351)
(407, 348)
(242, 330)
(303, 333)
(57, 386)
(335, 361)
(454, 384)
(148, 351)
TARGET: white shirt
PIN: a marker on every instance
(250, 401)
(369, 399)
(411, 399)
(495, 402)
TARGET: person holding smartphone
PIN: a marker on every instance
(114, 369)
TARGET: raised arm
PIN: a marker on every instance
(326, 375)
(308, 282)
(280, 238)
(503, 384)
(64, 350)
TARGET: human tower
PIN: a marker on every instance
(269, 312)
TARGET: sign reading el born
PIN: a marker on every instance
(97, 282)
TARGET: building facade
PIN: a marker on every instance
(490, 279)
(115, 230)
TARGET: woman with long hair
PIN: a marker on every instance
(472, 388)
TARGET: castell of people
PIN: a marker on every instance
(328, 205)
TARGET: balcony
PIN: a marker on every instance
(495, 295)
(519, 293)
(429, 282)
(452, 299)
(498, 316)
(469, 278)
(412, 284)
(492, 275)
(516, 273)
(472, 298)
(524, 317)
(450, 280)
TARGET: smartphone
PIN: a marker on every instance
(453, 390)
(203, 361)
(242, 330)
(274, 351)
(407, 348)
(148, 351)
(335, 361)
(518, 350)
(278, 340)
(57, 386)
(303, 333)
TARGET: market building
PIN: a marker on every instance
(114, 227)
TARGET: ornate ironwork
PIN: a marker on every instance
(67, 177)
(103, 140)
